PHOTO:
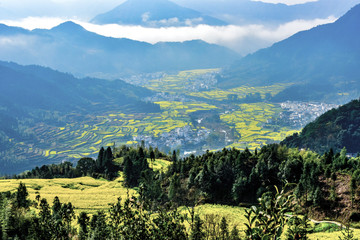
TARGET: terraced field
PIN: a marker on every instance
(84, 136)
(76, 140)
(241, 92)
(250, 121)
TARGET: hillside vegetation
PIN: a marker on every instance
(336, 129)
(323, 187)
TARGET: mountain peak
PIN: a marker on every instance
(68, 26)
(351, 17)
(154, 13)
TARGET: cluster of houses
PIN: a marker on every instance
(298, 114)
(177, 138)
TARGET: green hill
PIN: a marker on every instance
(335, 129)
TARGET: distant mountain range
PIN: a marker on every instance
(155, 13)
(70, 48)
(323, 62)
(334, 129)
(37, 87)
(257, 12)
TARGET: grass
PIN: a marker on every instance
(85, 193)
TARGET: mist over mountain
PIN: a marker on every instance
(155, 13)
(321, 62)
(250, 12)
(70, 48)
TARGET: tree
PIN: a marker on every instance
(83, 221)
(56, 207)
(174, 188)
(68, 214)
(100, 160)
(152, 156)
(129, 170)
(21, 200)
(85, 166)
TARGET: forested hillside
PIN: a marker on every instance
(336, 129)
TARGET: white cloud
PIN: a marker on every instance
(243, 39)
(31, 23)
(287, 2)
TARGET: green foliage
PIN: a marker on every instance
(269, 219)
(299, 227)
(21, 197)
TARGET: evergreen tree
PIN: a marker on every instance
(56, 207)
(129, 172)
(83, 221)
(21, 200)
(100, 160)
(174, 188)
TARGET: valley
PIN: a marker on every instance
(195, 116)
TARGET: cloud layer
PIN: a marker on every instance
(243, 39)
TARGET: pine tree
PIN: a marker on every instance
(129, 172)
(21, 200)
(83, 221)
(100, 160)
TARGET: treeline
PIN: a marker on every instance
(334, 129)
(229, 176)
(103, 166)
(134, 161)
(235, 177)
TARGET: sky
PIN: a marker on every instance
(243, 38)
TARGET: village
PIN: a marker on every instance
(298, 114)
